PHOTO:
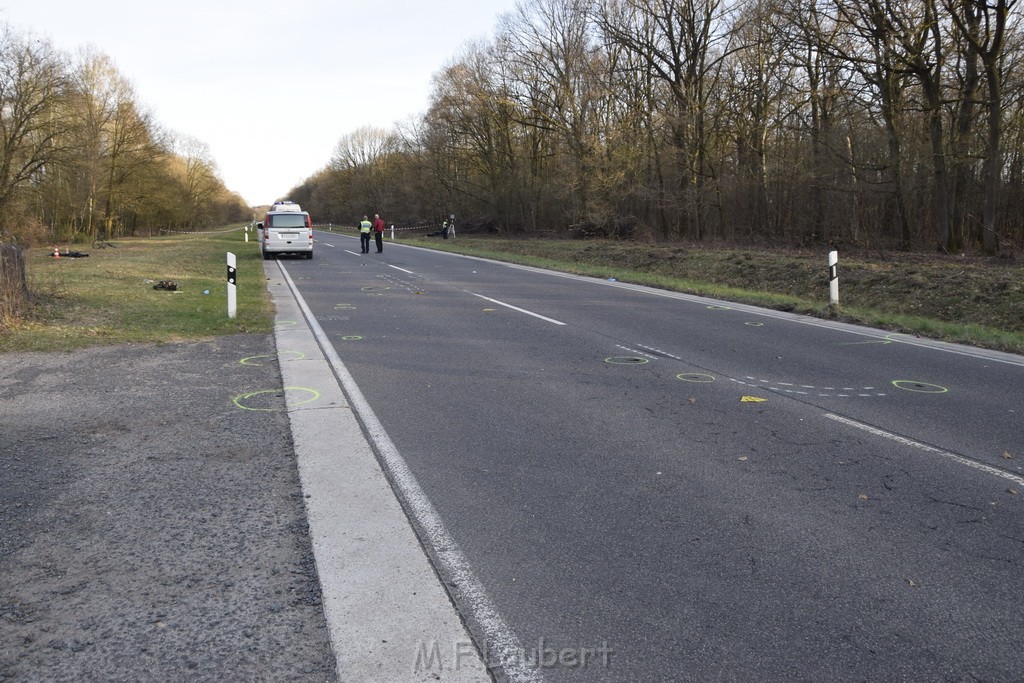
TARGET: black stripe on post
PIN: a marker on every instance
(231, 275)
(833, 273)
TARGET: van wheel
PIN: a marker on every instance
(266, 256)
(309, 255)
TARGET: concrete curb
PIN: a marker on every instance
(388, 615)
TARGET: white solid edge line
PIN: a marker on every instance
(501, 643)
(401, 269)
(929, 449)
(515, 308)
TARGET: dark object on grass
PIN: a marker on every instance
(169, 285)
(74, 254)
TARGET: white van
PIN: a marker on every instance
(286, 230)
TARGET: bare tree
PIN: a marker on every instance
(823, 91)
(873, 51)
(111, 141)
(201, 181)
(32, 83)
(564, 83)
(983, 25)
(908, 33)
(363, 158)
(682, 43)
(783, 120)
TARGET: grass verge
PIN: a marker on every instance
(108, 298)
(974, 301)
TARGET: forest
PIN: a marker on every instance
(81, 158)
(885, 124)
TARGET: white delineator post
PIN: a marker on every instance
(232, 294)
(392, 232)
(833, 278)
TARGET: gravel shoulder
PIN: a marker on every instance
(152, 518)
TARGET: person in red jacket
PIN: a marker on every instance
(378, 232)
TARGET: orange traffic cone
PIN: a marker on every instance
(56, 252)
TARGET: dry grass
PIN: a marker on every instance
(108, 298)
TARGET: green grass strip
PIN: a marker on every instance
(108, 297)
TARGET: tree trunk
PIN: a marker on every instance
(990, 238)
(899, 194)
(949, 238)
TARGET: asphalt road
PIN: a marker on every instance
(651, 486)
(152, 524)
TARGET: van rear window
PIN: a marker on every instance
(295, 220)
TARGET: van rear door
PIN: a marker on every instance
(287, 232)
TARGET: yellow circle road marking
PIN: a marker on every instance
(919, 387)
(242, 399)
(252, 360)
(698, 377)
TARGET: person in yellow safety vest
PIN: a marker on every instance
(364, 234)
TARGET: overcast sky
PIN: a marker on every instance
(270, 86)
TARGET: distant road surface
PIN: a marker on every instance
(652, 486)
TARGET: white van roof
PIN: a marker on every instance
(285, 206)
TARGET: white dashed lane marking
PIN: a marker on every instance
(798, 390)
